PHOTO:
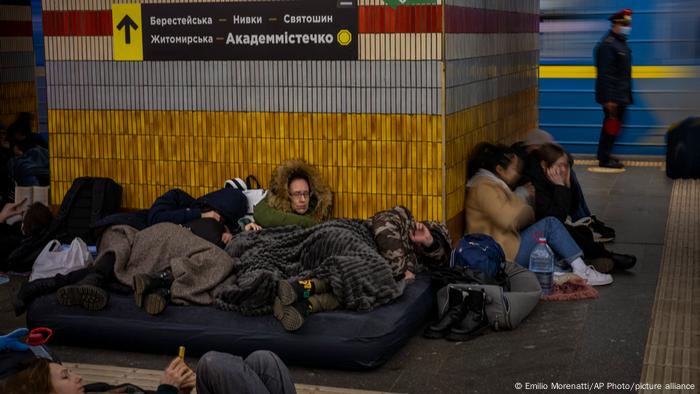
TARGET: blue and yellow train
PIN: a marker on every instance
(665, 43)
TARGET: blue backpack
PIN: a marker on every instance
(482, 255)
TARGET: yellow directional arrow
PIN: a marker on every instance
(127, 31)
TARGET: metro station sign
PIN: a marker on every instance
(288, 30)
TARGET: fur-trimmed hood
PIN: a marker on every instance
(321, 200)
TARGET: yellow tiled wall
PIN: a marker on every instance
(392, 127)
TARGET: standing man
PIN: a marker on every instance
(613, 85)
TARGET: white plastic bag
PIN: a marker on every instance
(254, 196)
(53, 260)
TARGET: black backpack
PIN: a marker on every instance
(87, 201)
(683, 150)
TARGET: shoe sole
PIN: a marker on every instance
(139, 286)
(154, 304)
(600, 283)
(89, 297)
(603, 240)
(286, 293)
(430, 334)
(466, 337)
(289, 316)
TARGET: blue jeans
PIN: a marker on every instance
(558, 238)
(581, 210)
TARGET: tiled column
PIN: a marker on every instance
(491, 58)
(17, 82)
(375, 126)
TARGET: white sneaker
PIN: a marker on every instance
(595, 278)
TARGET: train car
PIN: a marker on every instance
(665, 44)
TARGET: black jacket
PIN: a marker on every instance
(176, 206)
(613, 61)
(550, 199)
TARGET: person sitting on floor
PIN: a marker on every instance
(578, 211)
(492, 208)
(550, 173)
(217, 373)
(37, 219)
(30, 166)
(298, 195)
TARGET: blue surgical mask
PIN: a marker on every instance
(625, 30)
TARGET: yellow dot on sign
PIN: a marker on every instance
(344, 37)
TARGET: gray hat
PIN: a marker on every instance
(538, 137)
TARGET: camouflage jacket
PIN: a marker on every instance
(391, 229)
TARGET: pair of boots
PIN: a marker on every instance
(297, 299)
(464, 319)
(152, 291)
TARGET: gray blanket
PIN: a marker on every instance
(340, 251)
(198, 266)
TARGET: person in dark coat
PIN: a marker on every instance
(549, 171)
(225, 205)
(613, 86)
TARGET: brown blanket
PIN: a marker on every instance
(198, 266)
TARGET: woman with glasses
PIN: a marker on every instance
(297, 196)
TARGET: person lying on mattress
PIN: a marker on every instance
(165, 261)
(261, 372)
(297, 195)
(336, 264)
(226, 205)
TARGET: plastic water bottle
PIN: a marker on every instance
(542, 264)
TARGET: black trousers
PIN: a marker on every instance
(607, 140)
(584, 239)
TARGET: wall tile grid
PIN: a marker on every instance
(17, 85)
(373, 126)
(491, 57)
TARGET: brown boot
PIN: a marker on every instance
(290, 292)
(155, 302)
(146, 283)
(292, 316)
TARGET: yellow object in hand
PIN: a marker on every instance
(181, 353)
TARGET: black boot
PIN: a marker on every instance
(40, 287)
(475, 321)
(30, 291)
(146, 283)
(155, 302)
(87, 293)
(455, 313)
(623, 261)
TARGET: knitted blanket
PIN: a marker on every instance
(340, 251)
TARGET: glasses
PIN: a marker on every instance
(300, 195)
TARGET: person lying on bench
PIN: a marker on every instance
(217, 373)
(298, 195)
(492, 208)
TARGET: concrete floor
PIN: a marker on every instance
(587, 341)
